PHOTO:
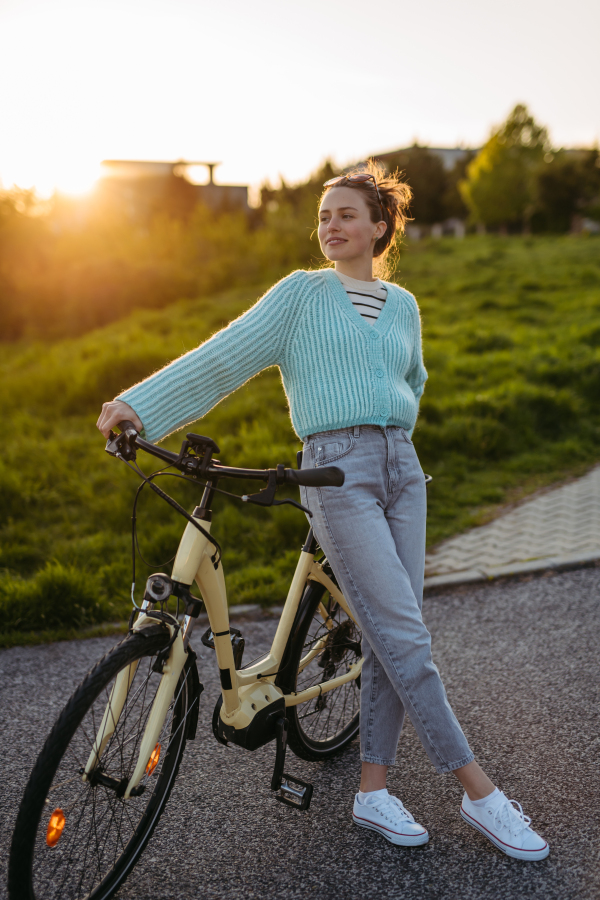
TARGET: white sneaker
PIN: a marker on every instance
(388, 816)
(503, 822)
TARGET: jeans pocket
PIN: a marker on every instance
(406, 437)
(328, 448)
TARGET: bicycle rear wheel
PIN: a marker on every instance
(75, 838)
(321, 727)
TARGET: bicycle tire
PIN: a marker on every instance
(107, 834)
(322, 727)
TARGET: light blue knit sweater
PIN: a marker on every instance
(337, 369)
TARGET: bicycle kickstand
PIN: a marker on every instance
(292, 791)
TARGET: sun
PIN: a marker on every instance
(47, 176)
(77, 179)
(73, 177)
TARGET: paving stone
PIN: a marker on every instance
(549, 529)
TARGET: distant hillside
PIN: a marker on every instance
(512, 345)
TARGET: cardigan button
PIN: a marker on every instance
(384, 412)
(374, 337)
(379, 373)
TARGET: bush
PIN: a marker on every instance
(58, 596)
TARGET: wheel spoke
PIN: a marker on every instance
(334, 639)
(103, 830)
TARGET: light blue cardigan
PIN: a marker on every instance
(338, 371)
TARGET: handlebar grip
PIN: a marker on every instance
(328, 476)
(126, 425)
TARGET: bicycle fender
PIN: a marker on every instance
(151, 630)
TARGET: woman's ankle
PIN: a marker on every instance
(474, 780)
(372, 777)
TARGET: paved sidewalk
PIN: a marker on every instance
(559, 529)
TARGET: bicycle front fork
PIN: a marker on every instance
(172, 668)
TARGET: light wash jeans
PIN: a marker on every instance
(373, 532)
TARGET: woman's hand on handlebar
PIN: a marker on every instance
(114, 412)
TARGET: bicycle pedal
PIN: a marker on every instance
(297, 797)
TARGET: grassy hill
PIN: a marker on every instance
(512, 343)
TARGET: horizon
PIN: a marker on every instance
(261, 89)
(45, 192)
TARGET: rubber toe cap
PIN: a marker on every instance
(412, 828)
(533, 841)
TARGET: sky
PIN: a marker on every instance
(271, 88)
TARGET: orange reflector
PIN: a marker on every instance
(55, 827)
(153, 761)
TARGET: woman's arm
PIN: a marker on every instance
(186, 389)
(417, 374)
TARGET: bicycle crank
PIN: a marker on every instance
(292, 791)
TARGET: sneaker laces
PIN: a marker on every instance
(514, 819)
(393, 810)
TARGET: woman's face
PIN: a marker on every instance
(345, 228)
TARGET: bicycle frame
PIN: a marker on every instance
(246, 693)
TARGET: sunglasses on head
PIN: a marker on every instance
(361, 178)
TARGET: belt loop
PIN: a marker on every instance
(357, 431)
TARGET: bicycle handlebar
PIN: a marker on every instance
(126, 425)
(327, 476)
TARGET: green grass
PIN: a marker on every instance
(512, 345)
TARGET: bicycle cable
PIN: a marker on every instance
(135, 546)
(158, 474)
(135, 537)
(216, 556)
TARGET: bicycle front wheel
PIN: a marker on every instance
(76, 838)
(323, 644)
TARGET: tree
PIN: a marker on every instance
(454, 204)
(501, 183)
(299, 197)
(569, 185)
(425, 173)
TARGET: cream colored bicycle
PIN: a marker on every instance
(107, 768)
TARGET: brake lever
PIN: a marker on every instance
(111, 444)
(118, 445)
(292, 503)
(266, 497)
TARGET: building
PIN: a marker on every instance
(145, 187)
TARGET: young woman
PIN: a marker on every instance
(349, 349)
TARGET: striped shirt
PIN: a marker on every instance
(368, 297)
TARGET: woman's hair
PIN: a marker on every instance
(395, 199)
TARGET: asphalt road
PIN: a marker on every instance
(520, 664)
